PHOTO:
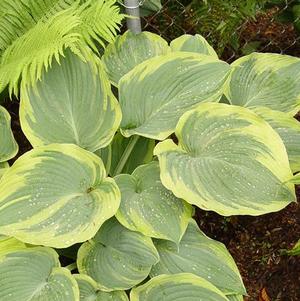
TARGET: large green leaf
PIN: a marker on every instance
(3, 168)
(202, 256)
(228, 160)
(131, 49)
(34, 274)
(178, 287)
(266, 79)
(288, 129)
(157, 92)
(148, 207)
(56, 195)
(8, 144)
(192, 43)
(89, 291)
(116, 257)
(105, 155)
(72, 103)
(235, 298)
(149, 7)
(8, 244)
(295, 179)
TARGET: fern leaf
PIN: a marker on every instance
(34, 32)
(94, 28)
(19, 16)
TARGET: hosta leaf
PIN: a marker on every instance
(266, 79)
(228, 160)
(131, 49)
(150, 6)
(89, 291)
(116, 257)
(193, 43)
(202, 256)
(3, 168)
(295, 179)
(157, 92)
(235, 298)
(72, 103)
(148, 207)
(56, 195)
(105, 155)
(34, 274)
(179, 287)
(8, 144)
(141, 153)
(288, 129)
(8, 244)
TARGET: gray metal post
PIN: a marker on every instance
(133, 9)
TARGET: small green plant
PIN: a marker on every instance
(296, 249)
(150, 6)
(108, 175)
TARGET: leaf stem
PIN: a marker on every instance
(71, 266)
(125, 155)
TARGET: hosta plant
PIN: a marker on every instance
(114, 178)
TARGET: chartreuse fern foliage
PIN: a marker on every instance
(35, 33)
(113, 182)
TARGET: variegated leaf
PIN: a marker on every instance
(34, 274)
(228, 160)
(117, 258)
(155, 94)
(266, 79)
(72, 103)
(193, 43)
(148, 207)
(202, 256)
(129, 50)
(179, 287)
(8, 144)
(288, 129)
(56, 195)
(89, 291)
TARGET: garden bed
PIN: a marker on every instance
(256, 243)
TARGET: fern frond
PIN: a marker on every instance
(28, 55)
(100, 17)
(19, 16)
(34, 32)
